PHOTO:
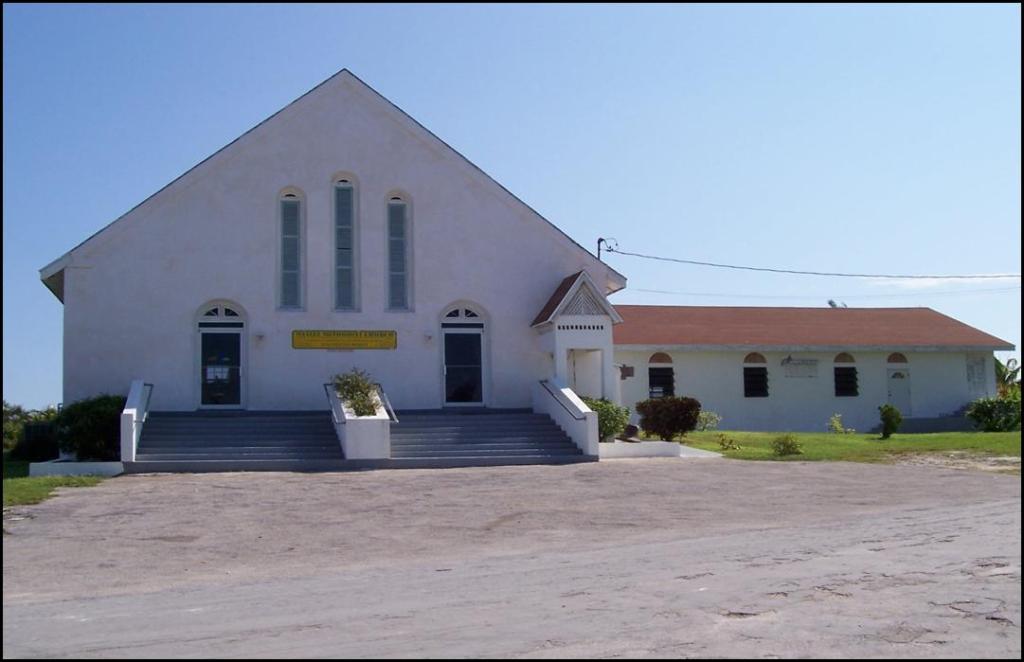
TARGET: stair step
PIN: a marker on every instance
(531, 452)
(496, 448)
(161, 457)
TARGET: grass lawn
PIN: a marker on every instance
(861, 447)
(20, 490)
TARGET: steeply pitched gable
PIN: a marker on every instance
(52, 274)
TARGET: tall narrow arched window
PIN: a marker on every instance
(661, 377)
(346, 258)
(845, 376)
(755, 376)
(290, 224)
(399, 252)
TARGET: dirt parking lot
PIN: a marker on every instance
(657, 558)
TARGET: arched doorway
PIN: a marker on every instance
(463, 356)
(220, 326)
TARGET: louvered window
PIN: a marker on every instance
(344, 247)
(846, 382)
(398, 255)
(755, 382)
(291, 253)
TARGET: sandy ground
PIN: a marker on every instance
(655, 558)
(1007, 464)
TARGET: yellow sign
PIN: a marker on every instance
(348, 339)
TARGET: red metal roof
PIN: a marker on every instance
(790, 327)
(555, 298)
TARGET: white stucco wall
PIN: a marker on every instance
(938, 386)
(132, 293)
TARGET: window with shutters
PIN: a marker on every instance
(399, 245)
(346, 258)
(290, 263)
(755, 376)
(846, 382)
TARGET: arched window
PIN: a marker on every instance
(346, 257)
(755, 377)
(661, 378)
(845, 376)
(399, 253)
(896, 357)
(290, 223)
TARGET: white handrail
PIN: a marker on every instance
(558, 401)
(136, 410)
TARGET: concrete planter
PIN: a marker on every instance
(617, 449)
(72, 468)
(365, 437)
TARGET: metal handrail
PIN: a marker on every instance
(387, 403)
(149, 395)
(558, 399)
(330, 403)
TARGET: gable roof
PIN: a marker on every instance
(742, 327)
(566, 293)
(52, 274)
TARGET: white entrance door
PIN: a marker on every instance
(899, 390)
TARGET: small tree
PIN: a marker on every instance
(891, 420)
(1007, 376)
(668, 417)
(611, 418)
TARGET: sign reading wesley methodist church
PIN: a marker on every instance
(345, 339)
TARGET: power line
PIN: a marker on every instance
(909, 294)
(610, 249)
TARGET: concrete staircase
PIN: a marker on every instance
(238, 441)
(464, 438)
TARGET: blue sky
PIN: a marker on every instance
(841, 138)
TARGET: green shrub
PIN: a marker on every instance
(787, 444)
(708, 420)
(1000, 414)
(611, 418)
(668, 417)
(835, 425)
(37, 443)
(727, 443)
(891, 420)
(356, 389)
(16, 417)
(90, 429)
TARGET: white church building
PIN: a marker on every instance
(341, 233)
